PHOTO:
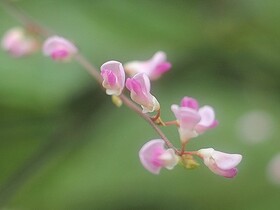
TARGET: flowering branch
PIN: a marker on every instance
(191, 120)
(24, 19)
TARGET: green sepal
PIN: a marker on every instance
(188, 162)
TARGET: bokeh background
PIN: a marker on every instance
(63, 145)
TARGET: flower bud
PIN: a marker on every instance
(59, 48)
(139, 87)
(18, 43)
(220, 163)
(113, 76)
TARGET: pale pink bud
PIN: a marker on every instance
(192, 119)
(18, 43)
(153, 68)
(113, 76)
(139, 87)
(154, 156)
(59, 48)
(220, 163)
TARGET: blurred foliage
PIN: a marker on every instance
(63, 145)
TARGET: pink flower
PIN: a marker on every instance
(154, 156)
(139, 87)
(192, 119)
(18, 43)
(220, 163)
(59, 48)
(153, 68)
(113, 76)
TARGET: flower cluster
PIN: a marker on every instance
(190, 119)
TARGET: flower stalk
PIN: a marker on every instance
(191, 120)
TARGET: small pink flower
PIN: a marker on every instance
(192, 119)
(220, 163)
(154, 156)
(153, 68)
(59, 48)
(139, 87)
(18, 43)
(113, 76)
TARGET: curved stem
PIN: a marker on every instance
(88, 67)
(26, 20)
(93, 71)
(135, 108)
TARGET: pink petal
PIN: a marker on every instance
(220, 163)
(188, 118)
(128, 84)
(226, 161)
(59, 54)
(162, 68)
(59, 48)
(230, 173)
(139, 87)
(153, 68)
(136, 87)
(207, 119)
(144, 82)
(109, 77)
(158, 58)
(149, 154)
(137, 91)
(190, 103)
(207, 116)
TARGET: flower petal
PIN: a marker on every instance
(169, 158)
(59, 48)
(149, 154)
(226, 161)
(190, 103)
(153, 68)
(207, 115)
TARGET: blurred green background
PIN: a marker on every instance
(63, 145)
